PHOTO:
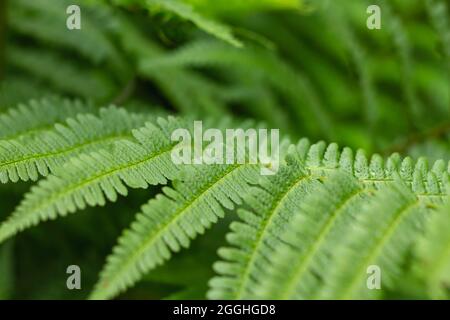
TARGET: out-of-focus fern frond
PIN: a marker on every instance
(257, 235)
(38, 115)
(26, 159)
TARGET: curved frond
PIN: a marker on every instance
(26, 159)
(257, 237)
(94, 178)
(274, 203)
(171, 220)
(386, 227)
(38, 115)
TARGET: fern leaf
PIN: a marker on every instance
(382, 237)
(170, 221)
(320, 223)
(256, 236)
(259, 233)
(37, 116)
(26, 159)
(94, 178)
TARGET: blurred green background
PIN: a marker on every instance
(310, 68)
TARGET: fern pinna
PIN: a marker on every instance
(86, 123)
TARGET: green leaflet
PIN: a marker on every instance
(92, 179)
(431, 185)
(27, 158)
(336, 236)
(171, 220)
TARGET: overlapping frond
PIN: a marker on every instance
(26, 159)
(387, 225)
(259, 235)
(93, 178)
(38, 115)
(171, 220)
(294, 270)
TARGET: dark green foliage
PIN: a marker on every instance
(86, 118)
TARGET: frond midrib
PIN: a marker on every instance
(262, 231)
(177, 215)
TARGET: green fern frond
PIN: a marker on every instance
(37, 116)
(171, 220)
(94, 178)
(431, 185)
(351, 232)
(277, 201)
(433, 254)
(257, 235)
(26, 159)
